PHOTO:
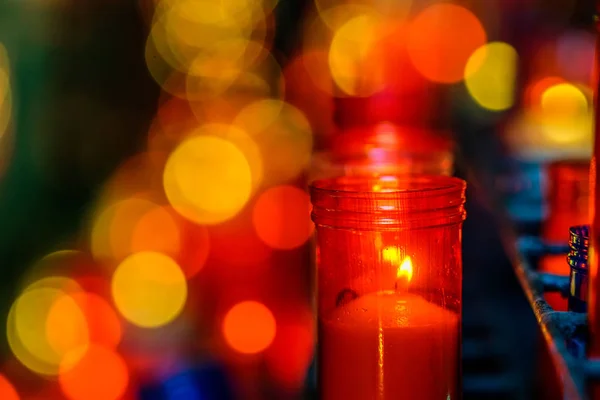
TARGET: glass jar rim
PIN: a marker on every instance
(383, 186)
(388, 202)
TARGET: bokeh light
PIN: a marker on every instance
(149, 289)
(283, 136)
(209, 77)
(566, 114)
(249, 327)
(564, 101)
(103, 324)
(7, 390)
(45, 323)
(99, 374)
(224, 109)
(251, 81)
(536, 89)
(147, 226)
(114, 228)
(242, 141)
(351, 61)
(490, 76)
(207, 179)
(157, 229)
(66, 325)
(197, 50)
(199, 25)
(441, 39)
(530, 132)
(282, 217)
(332, 11)
(179, 34)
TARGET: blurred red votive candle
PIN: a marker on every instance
(385, 149)
(389, 286)
(568, 205)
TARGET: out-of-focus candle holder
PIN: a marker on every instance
(389, 286)
(535, 158)
(401, 129)
(568, 205)
(569, 191)
(385, 149)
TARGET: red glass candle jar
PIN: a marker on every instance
(568, 205)
(389, 286)
(568, 195)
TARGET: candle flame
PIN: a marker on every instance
(405, 270)
(404, 273)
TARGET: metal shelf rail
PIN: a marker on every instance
(558, 327)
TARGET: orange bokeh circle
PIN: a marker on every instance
(249, 327)
(100, 374)
(441, 39)
(282, 217)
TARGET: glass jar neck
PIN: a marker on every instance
(388, 202)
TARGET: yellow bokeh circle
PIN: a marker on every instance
(45, 324)
(189, 28)
(351, 56)
(490, 75)
(149, 289)
(207, 179)
(242, 141)
(114, 227)
(564, 101)
(566, 114)
(221, 72)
